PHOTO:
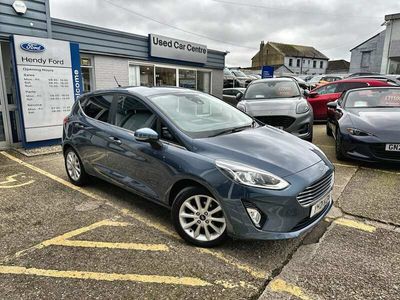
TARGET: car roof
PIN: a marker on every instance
(273, 79)
(373, 88)
(143, 90)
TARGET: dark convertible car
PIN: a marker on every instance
(366, 124)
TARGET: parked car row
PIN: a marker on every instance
(235, 78)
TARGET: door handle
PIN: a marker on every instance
(115, 140)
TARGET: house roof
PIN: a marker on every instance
(367, 40)
(298, 50)
(339, 64)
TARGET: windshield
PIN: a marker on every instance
(239, 73)
(273, 89)
(367, 98)
(200, 115)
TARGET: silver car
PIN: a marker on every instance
(279, 102)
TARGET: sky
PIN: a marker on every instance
(238, 26)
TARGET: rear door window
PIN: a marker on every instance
(132, 114)
(97, 106)
(327, 89)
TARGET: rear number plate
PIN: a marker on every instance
(393, 147)
(319, 206)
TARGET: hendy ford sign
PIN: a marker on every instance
(32, 47)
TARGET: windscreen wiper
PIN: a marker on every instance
(235, 129)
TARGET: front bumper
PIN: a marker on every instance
(300, 125)
(284, 216)
(368, 149)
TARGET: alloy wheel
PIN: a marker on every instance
(202, 218)
(73, 166)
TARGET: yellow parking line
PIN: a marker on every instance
(344, 165)
(279, 285)
(355, 224)
(125, 246)
(68, 235)
(253, 271)
(11, 180)
(190, 281)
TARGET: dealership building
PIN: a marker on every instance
(37, 52)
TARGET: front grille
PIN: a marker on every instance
(284, 121)
(307, 221)
(379, 151)
(315, 191)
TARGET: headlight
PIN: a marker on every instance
(251, 176)
(358, 132)
(302, 108)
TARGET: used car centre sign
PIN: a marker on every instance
(49, 81)
(166, 47)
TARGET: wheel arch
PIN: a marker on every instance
(180, 184)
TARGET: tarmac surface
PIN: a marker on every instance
(59, 241)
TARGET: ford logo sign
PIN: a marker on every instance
(32, 47)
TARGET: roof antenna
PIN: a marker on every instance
(115, 78)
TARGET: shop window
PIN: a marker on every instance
(204, 81)
(141, 75)
(187, 79)
(165, 76)
(87, 74)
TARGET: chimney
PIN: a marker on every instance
(261, 45)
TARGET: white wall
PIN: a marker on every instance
(106, 67)
(391, 44)
(307, 65)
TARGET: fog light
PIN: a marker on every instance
(255, 215)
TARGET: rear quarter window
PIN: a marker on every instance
(97, 107)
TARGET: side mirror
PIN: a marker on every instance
(239, 96)
(148, 135)
(332, 105)
(306, 93)
(312, 94)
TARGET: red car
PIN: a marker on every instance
(320, 96)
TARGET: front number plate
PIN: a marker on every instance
(393, 147)
(316, 208)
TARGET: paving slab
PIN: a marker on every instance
(347, 263)
(373, 194)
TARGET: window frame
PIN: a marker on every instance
(91, 71)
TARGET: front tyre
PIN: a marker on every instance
(75, 170)
(198, 217)
(338, 146)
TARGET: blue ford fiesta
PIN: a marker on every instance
(220, 171)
